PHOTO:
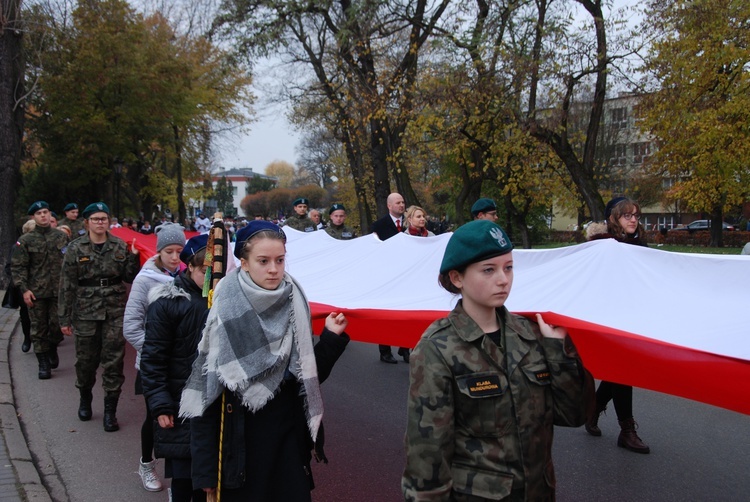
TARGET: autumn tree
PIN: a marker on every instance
(12, 106)
(364, 60)
(283, 172)
(698, 106)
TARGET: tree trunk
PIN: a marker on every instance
(717, 228)
(11, 122)
(181, 213)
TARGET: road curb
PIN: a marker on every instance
(28, 481)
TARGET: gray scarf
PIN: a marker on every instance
(252, 336)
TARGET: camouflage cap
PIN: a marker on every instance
(477, 240)
(36, 206)
(300, 200)
(336, 207)
(96, 207)
(70, 206)
(482, 206)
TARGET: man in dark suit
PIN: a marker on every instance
(385, 228)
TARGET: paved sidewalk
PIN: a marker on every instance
(19, 479)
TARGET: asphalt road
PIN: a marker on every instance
(699, 452)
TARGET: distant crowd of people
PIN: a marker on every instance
(232, 384)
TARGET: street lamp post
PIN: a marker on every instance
(119, 165)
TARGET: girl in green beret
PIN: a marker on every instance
(487, 386)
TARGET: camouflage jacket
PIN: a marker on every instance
(37, 260)
(480, 419)
(85, 289)
(342, 233)
(76, 227)
(301, 223)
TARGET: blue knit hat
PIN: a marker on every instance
(252, 228)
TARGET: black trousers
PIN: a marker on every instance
(620, 395)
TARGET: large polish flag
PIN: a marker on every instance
(670, 322)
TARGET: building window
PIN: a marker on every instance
(619, 118)
(234, 191)
(641, 152)
(619, 156)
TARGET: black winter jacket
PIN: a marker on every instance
(174, 323)
(205, 429)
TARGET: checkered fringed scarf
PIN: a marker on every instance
(251, 337)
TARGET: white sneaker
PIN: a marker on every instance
(147, 472)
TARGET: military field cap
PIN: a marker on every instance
(475, 241)
(300, 200)
(193, 246)
(336, 207)
(96, 207)
(70, 206)
(611, 205)
(168, 234)
(36, 206)
(252, 228)
(483, 205)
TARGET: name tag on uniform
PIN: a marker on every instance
(309, 229)
(84, 259)
(346, 235)
(488, 385)
(542, 376)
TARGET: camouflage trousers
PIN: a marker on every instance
(100, 342)
(45, 326)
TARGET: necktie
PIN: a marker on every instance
(398, 224)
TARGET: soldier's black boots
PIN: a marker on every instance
(45, 373)
(110, 412)
(629, 438)
(26, 345)
(54, 360)
(84, 409)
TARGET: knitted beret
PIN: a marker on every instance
(193, 246)
(252, 228)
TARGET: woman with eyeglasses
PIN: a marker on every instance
(622, 222)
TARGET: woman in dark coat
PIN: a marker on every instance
(174, 322)
(259, 375)
(622, 222)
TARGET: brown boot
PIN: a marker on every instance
(629, 438)
(592, 424)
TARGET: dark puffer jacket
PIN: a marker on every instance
(174, 323)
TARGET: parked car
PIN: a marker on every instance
(703, 225)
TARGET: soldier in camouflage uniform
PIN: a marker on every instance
(300, 221)
(337, 229)
(92, 304)
(72, 221)
(35, 268)
(487, 386)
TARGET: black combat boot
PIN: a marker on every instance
(84, 409)
(45, 373)
(110, 413)
(54, 360)
(629, 438)
(26, 345)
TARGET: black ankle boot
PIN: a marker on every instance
(26, 345)
(45, 373)
(84, 409)
(54, 360)
(110, 413)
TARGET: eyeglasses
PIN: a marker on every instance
(99, 220)
(630, 216)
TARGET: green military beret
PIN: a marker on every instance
(36, 206)
(300, 200)
(483, 205)
(96, 207)
(475, 241)
(336, 207)
(70, 206)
